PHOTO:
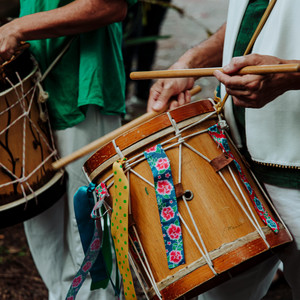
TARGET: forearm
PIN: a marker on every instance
(77, 17)
(208, 53)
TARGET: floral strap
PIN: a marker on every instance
(92, 252)
(218, 136)
(167, 205)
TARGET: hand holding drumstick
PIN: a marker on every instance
(252, 81)
(110, 136)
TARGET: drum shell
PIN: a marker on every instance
(229, 236)
(27, 146)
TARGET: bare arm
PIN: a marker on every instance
(77, 17)
(206, 54)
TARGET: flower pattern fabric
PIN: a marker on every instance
(218, 136)
(167, 205)
(93, 250)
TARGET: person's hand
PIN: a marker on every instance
(250, 90)
(168, 94)
(9, 41)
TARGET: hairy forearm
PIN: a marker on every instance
(207, 54)
(77, 17)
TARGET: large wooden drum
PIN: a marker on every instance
(28, 185)
(222, 232)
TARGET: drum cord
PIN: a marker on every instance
(147, 269)
(21, 96)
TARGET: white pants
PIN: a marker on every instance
(53, 236)
(254, 283)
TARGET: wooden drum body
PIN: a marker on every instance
(28, 185)
(230, 238)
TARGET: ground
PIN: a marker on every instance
(19, 279)
(18, 275)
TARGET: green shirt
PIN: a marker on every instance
(90, 72)
(283, 177)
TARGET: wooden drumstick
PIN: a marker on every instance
(110, 136)
(261, 69)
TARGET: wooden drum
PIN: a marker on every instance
(28, 185)
(228, 235)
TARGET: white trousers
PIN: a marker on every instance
(53, 236)
(254, 283)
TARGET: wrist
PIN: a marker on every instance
(179, 65)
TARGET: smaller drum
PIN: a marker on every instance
(28, 185)
(222, 233)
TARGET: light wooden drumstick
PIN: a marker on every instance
(202, 72)
(109, 137)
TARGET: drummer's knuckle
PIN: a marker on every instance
(169, 85)
(254, 56)
(253, 86)
(227, 82)
(253, 97)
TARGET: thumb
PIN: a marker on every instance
(158, 105)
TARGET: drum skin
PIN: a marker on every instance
(231, 240)
(26, 146)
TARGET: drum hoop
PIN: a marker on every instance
(58, 176)
(13, 87)
(141, 132)
(214, 254)
(107, 163)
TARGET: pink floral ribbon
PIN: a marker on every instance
(167, 205)
(218, 136)
(94, 248)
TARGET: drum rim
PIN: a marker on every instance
(15, 86)
(154, 125)
(57, 176)
(256, 246)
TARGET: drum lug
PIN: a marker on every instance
(188, 195)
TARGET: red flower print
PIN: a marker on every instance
(167, 175)
(152, 149)
(175, 256)
(77, 281)
(167, 213)
(101, 190)
(70, 298)
(162, 164)
(87, 266)
(96, 245)
(174, 232)
(164, 187)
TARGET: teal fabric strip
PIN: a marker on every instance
(95, 241)
(167, 205)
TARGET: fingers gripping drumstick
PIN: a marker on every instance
(260, 69)
(110, 136)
